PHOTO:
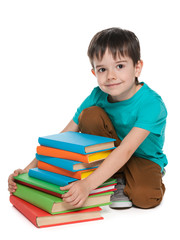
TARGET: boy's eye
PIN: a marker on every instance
(102, 70)
(119, 66)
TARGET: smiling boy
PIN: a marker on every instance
(124, 109)
(116, 77)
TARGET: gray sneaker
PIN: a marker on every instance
(119, 199)
(163, 172)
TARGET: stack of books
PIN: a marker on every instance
(63, 158)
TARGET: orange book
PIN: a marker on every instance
(78, 175)
(58, 153)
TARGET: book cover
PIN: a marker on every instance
(78, 175)
(25, 179)
(56, 205)
(51, 177)
(59, 153)
(77, 142)
(38, 184)
(67, 164)
(40, 218)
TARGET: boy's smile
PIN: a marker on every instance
(117, 76)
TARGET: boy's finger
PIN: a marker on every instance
(17, 171)
(11, 180)
(11, 188)
(67, 187)
(80, 204)
(68, 194)
(12, 185)
(64, 188)
(76, 202)
(70, 199)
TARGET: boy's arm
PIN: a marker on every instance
(79, 191)
(120, 155)
(72, 126)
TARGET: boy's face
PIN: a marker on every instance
(117, 76)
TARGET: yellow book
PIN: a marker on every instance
(98, 155)
(86, 174)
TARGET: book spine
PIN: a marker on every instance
(35, 197)
(23, 209)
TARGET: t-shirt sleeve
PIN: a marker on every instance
(88, 102)
(152, 116)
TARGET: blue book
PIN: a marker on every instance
(77, 142)
(70, 165)
(51, 177)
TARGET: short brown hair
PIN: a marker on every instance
(118, 41)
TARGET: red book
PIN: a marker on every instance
(41, 218)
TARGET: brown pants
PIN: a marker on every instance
(144, 185)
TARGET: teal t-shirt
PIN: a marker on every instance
(145, 110)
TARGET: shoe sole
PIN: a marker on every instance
(122, 204)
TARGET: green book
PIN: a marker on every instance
(38, 184)
(53, 189)
(56, 205)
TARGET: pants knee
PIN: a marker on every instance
(144, 197)
(90, 118)
(94, 120)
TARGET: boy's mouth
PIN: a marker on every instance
(112, 84)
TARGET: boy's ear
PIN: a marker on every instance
(138, 68)
(93, 72)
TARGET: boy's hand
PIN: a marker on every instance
(77, 194)
(11, 184)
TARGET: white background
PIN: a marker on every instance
(45, 75)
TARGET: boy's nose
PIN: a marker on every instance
(111, 75)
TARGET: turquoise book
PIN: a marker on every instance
(51, 177)
(69, 165)
(77, 142)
